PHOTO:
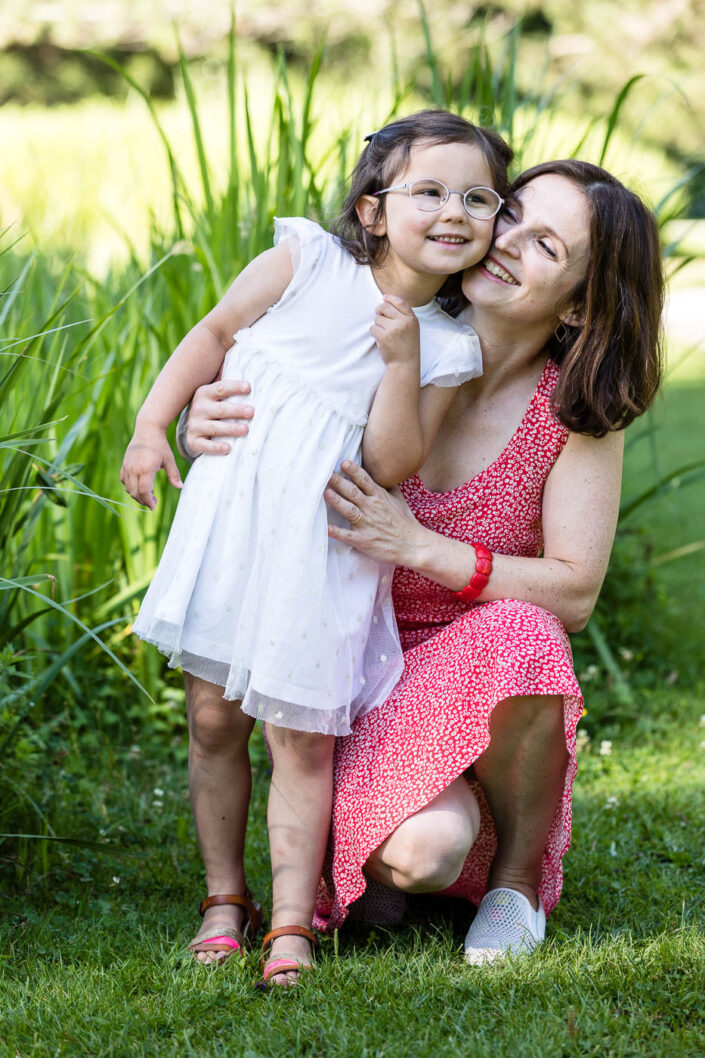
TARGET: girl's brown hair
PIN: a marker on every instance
(611, 367)
(386, 156)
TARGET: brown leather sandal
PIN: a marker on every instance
(286, 962)
(227, 939)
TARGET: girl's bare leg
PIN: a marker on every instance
(220, 783)
(522, 775)
(299, 822)
(427, 851)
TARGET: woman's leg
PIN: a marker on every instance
(220, 784)
(427, 851)
(299, 822)
(522, 775)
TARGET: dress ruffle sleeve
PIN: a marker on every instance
(307, 242)
(450, 352)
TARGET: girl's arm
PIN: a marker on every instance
(580, 508)
(197, 360)
(404, 419)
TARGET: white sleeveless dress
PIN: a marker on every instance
(251, 594)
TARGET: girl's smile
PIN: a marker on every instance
(425, 247)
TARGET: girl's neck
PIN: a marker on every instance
(394, 278)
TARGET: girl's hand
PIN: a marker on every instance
(148, 452)
(396, 331)
(212, 416)
(381, 524)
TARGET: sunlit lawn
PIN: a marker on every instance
(96, 965)
(94, 955)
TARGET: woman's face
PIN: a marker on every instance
(538, 257)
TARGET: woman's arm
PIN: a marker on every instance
(197, 360)
(580, 508)
(404, 419)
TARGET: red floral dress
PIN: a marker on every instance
(460, 661)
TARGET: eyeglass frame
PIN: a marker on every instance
(449, 192)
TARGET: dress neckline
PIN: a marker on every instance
(542, 383)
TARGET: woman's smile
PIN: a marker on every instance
(497, 271)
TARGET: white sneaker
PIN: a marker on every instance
(505, 923)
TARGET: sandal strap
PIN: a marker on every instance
(252, 922)
(223, 931)
(227, 942)
(225, 898)
(290, 931)
(284, 965)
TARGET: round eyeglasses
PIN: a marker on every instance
(430, 195)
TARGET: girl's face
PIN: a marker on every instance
(538, 257)
(434, 243)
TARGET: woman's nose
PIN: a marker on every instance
(506, 238)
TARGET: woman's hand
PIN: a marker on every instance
(213, 416)
(396, 331)
(381, 524)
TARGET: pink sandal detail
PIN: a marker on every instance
(285, 963)
(229, 940)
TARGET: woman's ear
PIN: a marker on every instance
(573, 317)
(371, 217)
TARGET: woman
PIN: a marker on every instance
(528, 465)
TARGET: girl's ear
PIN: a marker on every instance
(366, 209)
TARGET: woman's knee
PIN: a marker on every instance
(427, 851)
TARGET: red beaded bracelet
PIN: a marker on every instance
(479, 579)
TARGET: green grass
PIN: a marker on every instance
(96, 965)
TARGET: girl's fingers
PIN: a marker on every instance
(172, 472)
(144, 492)
(398, 303)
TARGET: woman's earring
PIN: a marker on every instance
(561, 332)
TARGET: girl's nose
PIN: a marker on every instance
(453, 208)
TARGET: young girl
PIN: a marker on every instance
(250, 595)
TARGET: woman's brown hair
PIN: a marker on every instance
(386, 156)
(611, 367)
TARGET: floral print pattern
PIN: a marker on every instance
(460, 661)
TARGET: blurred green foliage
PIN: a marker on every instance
(582, 52)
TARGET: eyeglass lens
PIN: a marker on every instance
(431, 195)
